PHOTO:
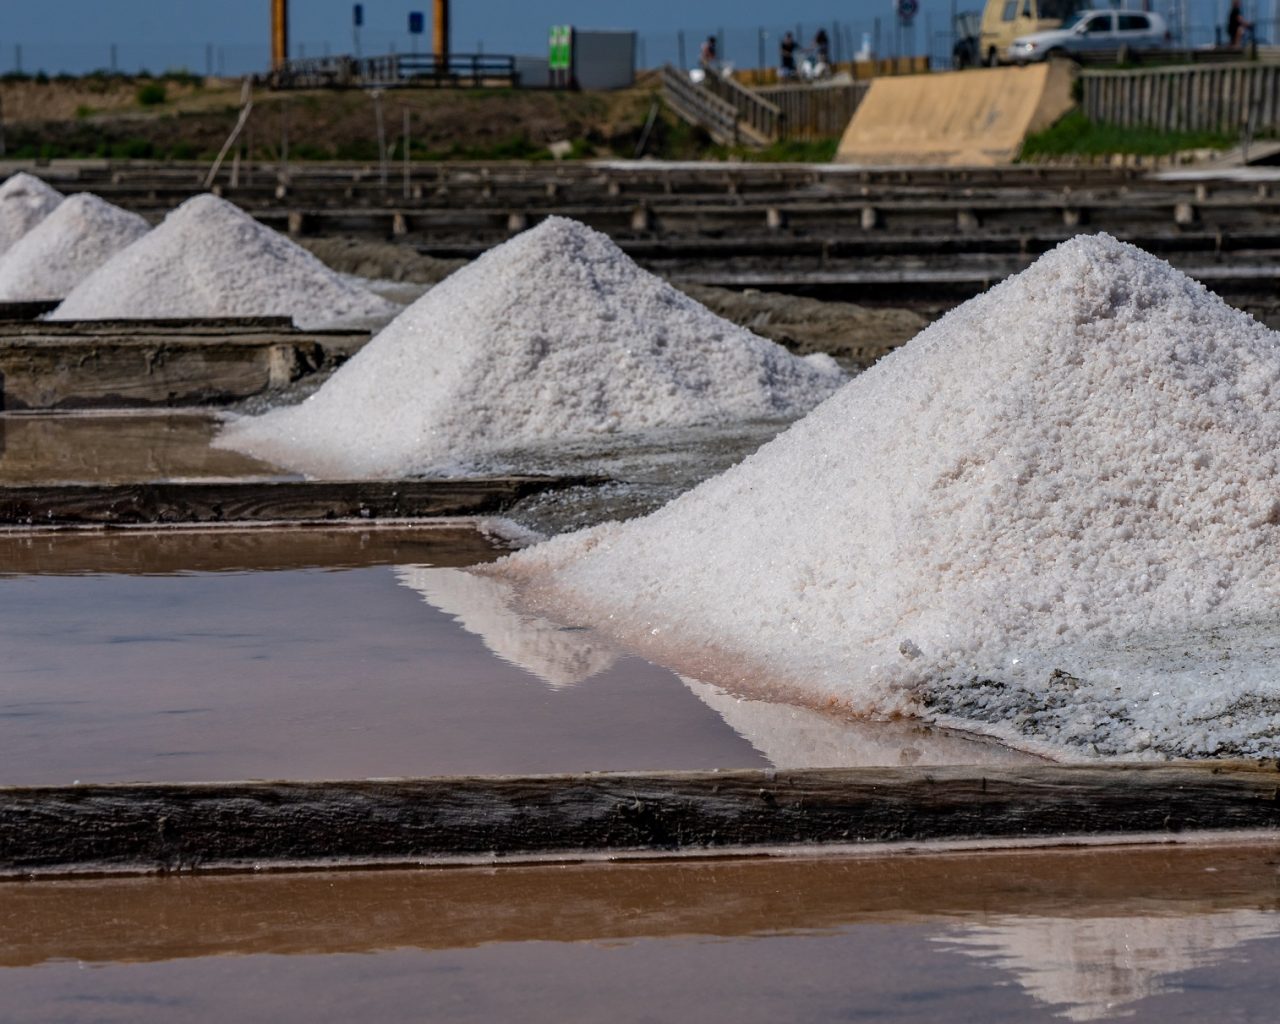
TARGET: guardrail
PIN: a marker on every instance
(701, 106)
(397, 71)
(1220, 97)
(758, 118)
(819, 111)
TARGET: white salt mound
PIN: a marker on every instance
(553, 335)
(25, 201)
(211, 259)
(1051, 517)
(66, 247)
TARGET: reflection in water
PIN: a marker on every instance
(1094, 968)
(788, 735)
(791, 736)
(558, 655)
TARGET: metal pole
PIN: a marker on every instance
(406, 152)
(679, 51)
(284, 136)
(382, 138)
(760, 48)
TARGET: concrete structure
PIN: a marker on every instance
(969, 118)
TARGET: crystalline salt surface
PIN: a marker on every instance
(1051, 517)
(80, 235)
(211, 259)
(556, 334)
(25, 201)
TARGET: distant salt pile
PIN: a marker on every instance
(556, 334)
(66, 247)
(1053, 517)
(211, 259)
(25, 201)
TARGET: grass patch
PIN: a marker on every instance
(1076, 135)
(152, 94)
(788, 151)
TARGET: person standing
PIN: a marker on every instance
(1237, 26)
(787, 56)
(822, 47)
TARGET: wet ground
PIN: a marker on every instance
(1138, 934)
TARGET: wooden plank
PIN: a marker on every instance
(101, 367)
(172, 827)
(254, 501)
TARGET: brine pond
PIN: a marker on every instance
(1169, 933)
(306, 653)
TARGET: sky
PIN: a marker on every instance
(231, 36)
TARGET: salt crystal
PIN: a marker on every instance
(1000, 486)
(554, 335)
(25, 201)
(64, 248)
(209, 258)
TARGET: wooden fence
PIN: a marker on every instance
(815, 111)
(759, 121)
(700, 106)
(1223, 97)
(395, 70)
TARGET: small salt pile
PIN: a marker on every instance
(211, 259)
(556, 334)
(25, 201)
(66, 247)
(1053, 517)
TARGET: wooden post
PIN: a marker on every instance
(440, 36)
(279, 33)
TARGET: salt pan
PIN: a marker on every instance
(1053, 517)
(210, 259)
(64, 248)
(25, 201)
(554, 335)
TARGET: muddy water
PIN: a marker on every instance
(1143, 934)
(116, 448)
(304, 654)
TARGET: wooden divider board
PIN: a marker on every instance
(267, 501)
(252, 825)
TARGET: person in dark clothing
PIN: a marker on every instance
(822, 47)
(1237, 26)
(787, 56)
(707, 58)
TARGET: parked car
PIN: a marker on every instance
(1134, 31)
(1003, 21)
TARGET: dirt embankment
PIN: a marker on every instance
(83, 118)
(856, 334)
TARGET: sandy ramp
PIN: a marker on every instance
(965, 118)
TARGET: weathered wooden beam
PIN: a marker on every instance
(107, 364)
(281, 500)
(171, 827)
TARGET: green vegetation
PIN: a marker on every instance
(152, 94)
(1076, 135)
(793, 151)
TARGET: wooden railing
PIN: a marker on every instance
(700, 106)
(758, 119)
(1222, 97)
(820, 111)
(397, 70)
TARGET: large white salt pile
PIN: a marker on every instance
(66, 247)
(554, 335)
(25, 201)
(1052, 517)
(211, 259)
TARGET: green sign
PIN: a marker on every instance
(560, 51)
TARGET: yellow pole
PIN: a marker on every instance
(440, 35)
(279, 32)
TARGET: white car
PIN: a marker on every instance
(1094, 30)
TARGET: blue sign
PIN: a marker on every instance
(357, 15)
(417, 22)
(907, 9)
